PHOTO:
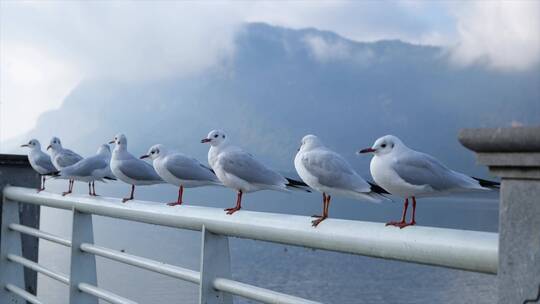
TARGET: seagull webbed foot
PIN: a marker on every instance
(316, 222)
(232, 210)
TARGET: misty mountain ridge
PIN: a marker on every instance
(282, 84)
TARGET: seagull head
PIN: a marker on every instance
(309, 142)
(120, 140)
(104, 149)
(154, 152)
(55, 143)
(215, 138)
(32, 144)
(383, 145)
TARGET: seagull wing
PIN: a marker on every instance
(422, 169)
(138, 170)
(187, 168)
(332, 170)
(67, 158)
(44, 161)
(244, 166)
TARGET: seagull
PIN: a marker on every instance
(409, 174)
(92, 168)
(40, 161)
(180, 170)
(326, 171)
(238, 170)
(130, 169)
(62, 158)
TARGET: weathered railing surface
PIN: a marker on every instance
(518, 256)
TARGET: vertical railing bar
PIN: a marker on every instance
(215, 262)
(83, 265)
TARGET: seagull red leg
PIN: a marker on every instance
(324, 204)
(94, 188)
(70, 188)
(316, 222)
(180, 195)
(402, 222)
(125, 199)
(238, 204)
(413, 220)
(90, 188)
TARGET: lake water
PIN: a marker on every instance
(314, 274)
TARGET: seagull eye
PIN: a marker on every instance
(215, 136)
(383, 145)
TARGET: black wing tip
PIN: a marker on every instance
(54, 173)
(377, 189)
(487, 183)
(297, 184)
(109, 178)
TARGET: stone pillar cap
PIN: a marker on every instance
(516, 139)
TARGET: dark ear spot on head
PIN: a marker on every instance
(223, 136)
(392, 145)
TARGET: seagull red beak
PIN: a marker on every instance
(367, 150)
(111, 142)
(48, 147)
(205, 140)
(144, 156)
(25, 145)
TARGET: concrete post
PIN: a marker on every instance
(15, 170)
(514, 155)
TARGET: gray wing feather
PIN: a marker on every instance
(86, 166)
(423, 169)
(332, 170)
(138, 170)
(187, 168)
(244, 166)
(67, 158)
(44, 161)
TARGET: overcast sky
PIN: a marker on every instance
(48, 47)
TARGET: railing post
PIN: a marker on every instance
(83, 265)
(215, 262)
(15, 170)
(514, 155)
(10, 243)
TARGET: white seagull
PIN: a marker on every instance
(409, 174)
(326, 171)
(62, 158)
(180, 170)
(130, 169)
(91, 169)
(238, 170)
(40, 161)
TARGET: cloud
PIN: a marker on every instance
(47, 47)
(327, 51)
(126, 40)
(501, 34)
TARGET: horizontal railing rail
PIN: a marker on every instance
(452, 248)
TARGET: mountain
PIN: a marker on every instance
(282, 84)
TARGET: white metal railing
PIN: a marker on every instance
(459, 249)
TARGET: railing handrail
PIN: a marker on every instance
(460, 249)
